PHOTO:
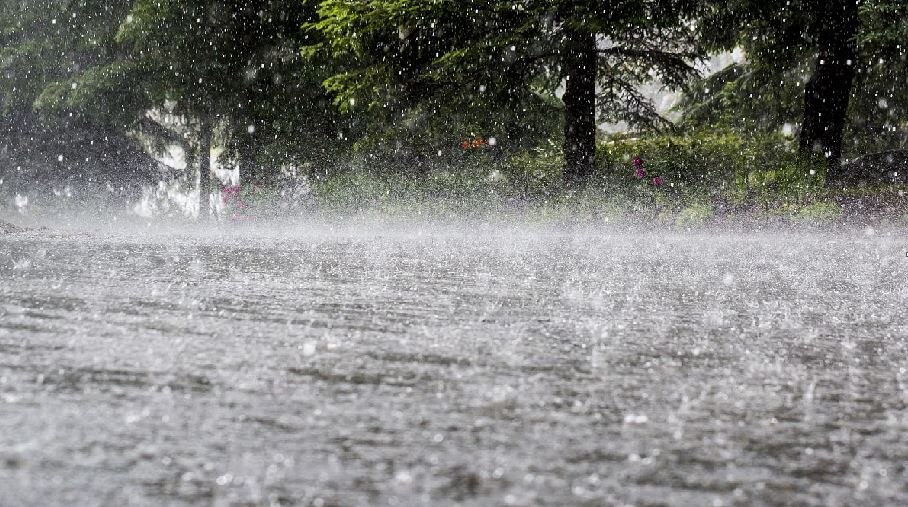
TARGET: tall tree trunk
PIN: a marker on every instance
(249, 168)
(828, 91)
(204, 159)
(579, 106)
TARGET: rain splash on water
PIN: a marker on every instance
(377, 363)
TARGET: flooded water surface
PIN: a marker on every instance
(438, 365)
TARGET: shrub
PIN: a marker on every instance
(760, 169)
(703, 173)
(819, 212)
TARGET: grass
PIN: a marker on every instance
(709, 177)
(481, 195)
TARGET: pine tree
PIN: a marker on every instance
(406, 52)
(853, 52)
(44, 47)
(231, 69)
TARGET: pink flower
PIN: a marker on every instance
(233, 200)
(638, 162)
(639, 173)
(657, 181)
(230, 191)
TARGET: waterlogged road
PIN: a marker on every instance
(476, 365)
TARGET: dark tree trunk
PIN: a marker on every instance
(579, 106)
(250, 173)
(204, 157)
(828, 91)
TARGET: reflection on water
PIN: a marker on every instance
(367, 365)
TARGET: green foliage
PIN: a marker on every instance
(746, 98)
(500, 63)
(430, 134)
(234, 63)
(44, 42)
(694, 214)
(705, 174)
(44, 46)
(823, 211)
(778, 38)
(879, 109)
(536, 172)
(375, 96)
(739, 170)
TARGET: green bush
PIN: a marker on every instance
(696, 213)
(761, 169)
(704, 174)
(819, 212)
(535, 173)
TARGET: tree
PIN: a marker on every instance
(231, 68)
(880, 105)
(44, 46)
(192, 54)
(407, 52)
(97, 77)
(828, 92)
(854, 53)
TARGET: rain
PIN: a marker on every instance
(412, 252)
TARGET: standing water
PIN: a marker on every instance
(418, 364)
